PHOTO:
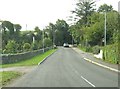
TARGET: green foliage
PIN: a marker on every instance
(84, 48)
(26, 47)
(35, 46)
(47, 42)
(17, 27)
(10, 31)
(112, 27)
(7, 25)
(111, 53)
(37, 34)
(76, 33)
(88, 49)
(96, 49)
(11, 47)
(94, 33)
(58, 32)
(105, 8)
(40, 44)
(84, 9)
(8, 76)
(89, 29)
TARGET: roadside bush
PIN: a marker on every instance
(48, 42)
(40, 44)
(35, 46)
(84, 48)
(96, 49)
(11, 47)
(111, 52)
(88, 49)
(26, 47)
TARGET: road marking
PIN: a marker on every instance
(46, 57)
(102, 65)
(85, 79)
(88, 81)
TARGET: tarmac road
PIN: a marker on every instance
(66, 68)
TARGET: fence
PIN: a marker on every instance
(12, 58)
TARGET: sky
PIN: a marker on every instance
(41, 12)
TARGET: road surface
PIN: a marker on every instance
(66, 68)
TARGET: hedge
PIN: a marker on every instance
(111, 53)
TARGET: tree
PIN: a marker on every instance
(105, 8)
(49, 31)
(7, 25)
(76, 33)
(37, 34)
(112, 26)
(62, 33)
(84, 9)
(7, 32)
(58, 32)
(48, 42)
(17, 29)
(95, 32)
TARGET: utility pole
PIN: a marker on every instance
(105, 31)
(105, 35)
(43, 41)
(26, 27)
(72, 40)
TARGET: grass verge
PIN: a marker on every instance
(30, 62)
(8, 76)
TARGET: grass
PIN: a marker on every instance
(7, 76)
(111, 52)
(82, 48)
(30, 62)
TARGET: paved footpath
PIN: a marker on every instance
(23, 69)
(92, 58)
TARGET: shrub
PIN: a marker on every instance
(111, 53)
(11, 47)
(35, 45)
(48, 42)
(96, 49)
(88, 49)
(26, 47)
(40, 44)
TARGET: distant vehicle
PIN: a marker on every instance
(66, 45)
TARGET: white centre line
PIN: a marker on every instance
(88, 81)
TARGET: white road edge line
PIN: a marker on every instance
(88, 81)
(46, 58)
(102, 65)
